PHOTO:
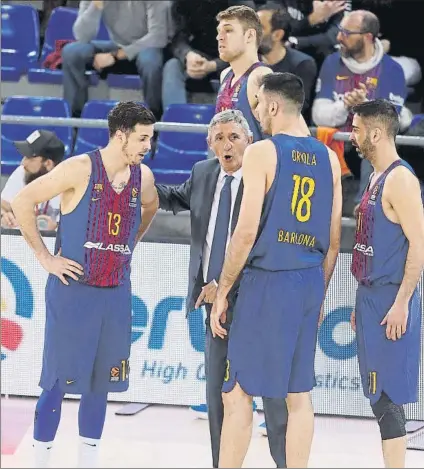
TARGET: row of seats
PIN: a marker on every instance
(20, 46)
(176, 152)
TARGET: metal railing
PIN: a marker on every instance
(163, 127)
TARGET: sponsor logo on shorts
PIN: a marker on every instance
(70, 381)
(121, 248)
(115, 373)
(364, 249)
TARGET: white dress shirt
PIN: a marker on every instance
(235, 184)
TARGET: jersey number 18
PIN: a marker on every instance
(301, 203)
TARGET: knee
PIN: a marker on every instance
(390, 417)
(50, 400)
(298, 402)
(77, 53)
(172, 67)
(238, 403)
(149, 61)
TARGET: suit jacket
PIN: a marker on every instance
(196, 195)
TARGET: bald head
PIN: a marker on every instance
(364, 21)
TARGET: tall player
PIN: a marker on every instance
(108, 202)
(388, 259)
(239, 36)
(287, 239)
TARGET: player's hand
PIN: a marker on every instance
(219, 316)
(356, 96)
(396, 320)
(207, 295)
(353, 320)
(103, 60)
(61, 266)
(8, 220)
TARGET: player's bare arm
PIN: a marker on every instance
(255, 186)
(254, 82)
(336, 220)
(66, 178)
(407, 210)
(149, 201)
(254, 181)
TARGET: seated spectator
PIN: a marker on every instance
(41, 152)
(276, 27)
(358, 72)
(194, 48)
(313, 26)
(138, 32)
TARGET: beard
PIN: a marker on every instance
(29, 177)
(366, 150)
(354, 51)
(265, 46)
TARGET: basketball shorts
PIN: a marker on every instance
(271, 349)
(87, 337)
(387, 365)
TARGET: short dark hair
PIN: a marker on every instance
(287, 86)
(382, 111)
(247, 16)
(126, 115)
(280, 18)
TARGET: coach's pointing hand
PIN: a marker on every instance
(207, 295)
(218, 316)
(61, 266)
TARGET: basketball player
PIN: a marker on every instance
(388, 259)
(108, 202)
(239, 36)
(287, 239)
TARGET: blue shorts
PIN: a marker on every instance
(271, 349)
(387, 365)
(87, 337)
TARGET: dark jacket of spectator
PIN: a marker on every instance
(195, 29)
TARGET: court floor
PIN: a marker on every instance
(170, 437)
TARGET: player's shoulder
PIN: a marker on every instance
(146, 173)
(78, 165)
(401, 176)
(259, 72)
(260, 150)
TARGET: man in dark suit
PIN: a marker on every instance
(213, 194)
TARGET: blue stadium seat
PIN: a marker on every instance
(177, 152)
(90, 139)
(60, 27)
(126, 82)
(18, 51)
(29, 106)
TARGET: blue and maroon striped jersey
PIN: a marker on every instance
(100, 233)
(235, 97)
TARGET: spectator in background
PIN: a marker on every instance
(41, 152)
(138, 32)
(276, 27)
(195, 60)
(360, 71)
(313, 26)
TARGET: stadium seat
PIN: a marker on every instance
(177, 152)
(18, 51)
(60, 27)
(28, 106)
(90, 139)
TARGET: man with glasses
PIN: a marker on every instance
(358, 72)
